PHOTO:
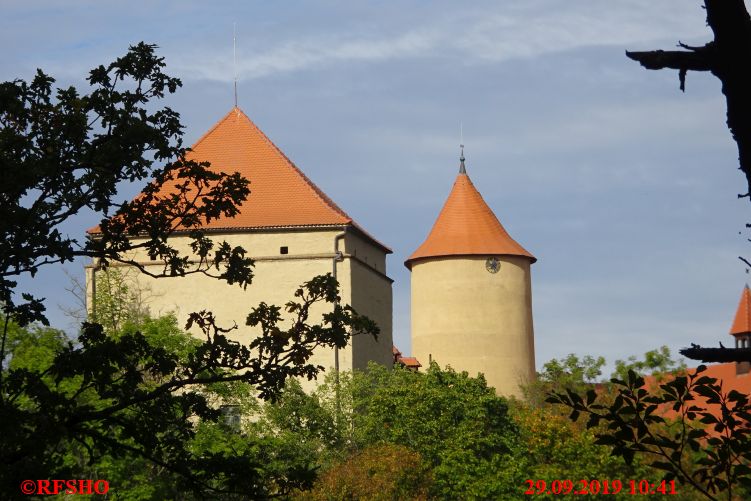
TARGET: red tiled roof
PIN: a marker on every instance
(281, 194)
(730, 381)
(467, 226)
(410, 362)
(742, 322)
(726, 376)
(726, 373)
(236, 144)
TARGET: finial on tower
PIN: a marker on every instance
(462, 169)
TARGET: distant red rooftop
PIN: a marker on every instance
(409, 362)
(742, 322)
(727, 376)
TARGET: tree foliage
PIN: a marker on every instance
(710, 451)
(63, 152)
(118, 299)
(657, 362)
(395, 434)
(551, 447)
(132, 388)
(138, 395)
(456, 423)
(572, 372)
(378, 473)
(711, 426)
(471, 444)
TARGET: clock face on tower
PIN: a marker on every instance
(492, 264)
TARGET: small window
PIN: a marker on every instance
(231, 416)
(284, 250)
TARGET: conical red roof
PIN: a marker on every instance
(742, 322)
(466, 226)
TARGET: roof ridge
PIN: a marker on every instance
(316, 190)
(214, 127)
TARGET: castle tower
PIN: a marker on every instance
(293, 231)
(471, 294)
(741, 329)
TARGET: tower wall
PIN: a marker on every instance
(361, 275)
(474, 320)
(371, 296)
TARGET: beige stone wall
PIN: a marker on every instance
(473, 320)
(371, 296)
(366, 252)
(276, 277)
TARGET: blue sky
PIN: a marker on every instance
(622, 186)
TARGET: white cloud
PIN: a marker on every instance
(311, 52)
(498, 33)
(537, 28)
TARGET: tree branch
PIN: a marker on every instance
(696, 60)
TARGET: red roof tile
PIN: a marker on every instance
(726, 376)
(281, 195)
(467, 226)
(410, 362)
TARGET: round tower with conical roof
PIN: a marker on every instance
(472, 295)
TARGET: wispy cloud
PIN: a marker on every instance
(300, 55)
(489, 34)
(534, 28)
(312, 52)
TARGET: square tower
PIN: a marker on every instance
(293, 231)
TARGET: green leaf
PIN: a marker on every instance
(662, 465)
(593, 421)
(591, 396)
(606, 440)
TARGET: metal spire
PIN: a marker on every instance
(462, 169)
(234, 57)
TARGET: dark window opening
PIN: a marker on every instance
(231, 416)
(284, 250)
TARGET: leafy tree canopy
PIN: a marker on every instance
(657, 362)
(672, 428)
(132, 388)
(63, 151)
